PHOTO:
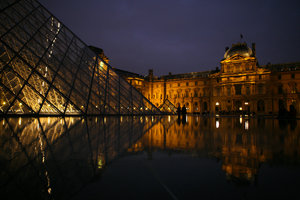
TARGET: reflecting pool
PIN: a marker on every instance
(149, 157)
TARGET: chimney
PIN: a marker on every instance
(253, 49)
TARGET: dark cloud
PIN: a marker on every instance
(182, 35)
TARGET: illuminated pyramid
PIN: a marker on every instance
(46, 70)
(167, 107)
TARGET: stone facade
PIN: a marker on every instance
(241, 85)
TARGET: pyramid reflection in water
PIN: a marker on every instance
(46, 69)
(58, 156)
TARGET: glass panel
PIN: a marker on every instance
(57, 100)
(18, 107)
(5, 99)
(21, 68)
(45, 71)
(66, 74)
(36, 48)
(5, 55)
(13, 14)
(62, 86)
(47, 108)
(12, 42)
(11, 81)
(29, 57)
(39, 84)
(78, 100)
(31, 98)
(71, 109)
(51, 61)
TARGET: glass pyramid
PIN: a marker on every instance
(167, 107)
(46, 70)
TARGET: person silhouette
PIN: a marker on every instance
(178, 111)
(183, 110)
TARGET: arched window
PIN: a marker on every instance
(205, 106)
(260, 106)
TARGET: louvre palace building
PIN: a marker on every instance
(240, 86)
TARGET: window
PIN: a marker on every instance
(218, 91)
(238, 89)
(187, 83)
(293, 76)
(280, 89)
(228, 91)
(293, 87)
(260, 106)
(196, 82)
(259, 77)
(279, 77)
(260, 89)
(247, 90)
(178, 84)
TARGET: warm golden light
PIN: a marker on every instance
(246, 125)
(217, 124)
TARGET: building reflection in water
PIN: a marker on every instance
(58, 156)
(240, 144)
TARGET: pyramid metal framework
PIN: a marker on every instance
(167, 107)
(46, 70)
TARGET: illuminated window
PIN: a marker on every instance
(293, 87)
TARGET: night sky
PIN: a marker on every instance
(182, 36)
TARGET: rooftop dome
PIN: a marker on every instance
(240, 49)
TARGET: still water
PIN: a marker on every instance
(149, 158)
